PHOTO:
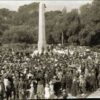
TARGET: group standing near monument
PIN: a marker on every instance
(49, 72)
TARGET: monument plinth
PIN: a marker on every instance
(41, 34)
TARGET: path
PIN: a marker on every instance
(95, 94)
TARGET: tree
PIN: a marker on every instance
(79, 27)
(90, 19)
(52, 31)
(22, 34)
(73, 26)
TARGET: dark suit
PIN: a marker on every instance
(2, 91)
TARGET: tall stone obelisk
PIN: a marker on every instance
(41, 35)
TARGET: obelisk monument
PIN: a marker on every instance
(41, 33)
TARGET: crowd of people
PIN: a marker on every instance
(48, 76)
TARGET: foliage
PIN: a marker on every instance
(81, 27)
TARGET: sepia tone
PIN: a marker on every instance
(49, 52)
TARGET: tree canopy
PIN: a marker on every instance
(81, 27)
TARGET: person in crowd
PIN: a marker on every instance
(40, 89)
(98, 80)
(68, 81)
(64, 94)
(2, 89)
(47, 91)
(75, 86)
(82, 84)
(74, 72)
(20, 87)
(31, 91)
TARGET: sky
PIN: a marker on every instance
(50, 4)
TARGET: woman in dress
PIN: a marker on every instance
(47, 92)
(31, 91)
